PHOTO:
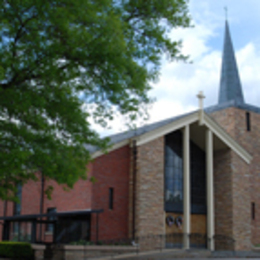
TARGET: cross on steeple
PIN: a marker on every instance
(226, 12)
(200, 96)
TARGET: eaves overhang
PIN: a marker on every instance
(161, 131)
(227, 139)
(180, 123)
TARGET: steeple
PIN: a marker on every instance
(230, 86)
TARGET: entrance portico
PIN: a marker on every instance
(151, 214)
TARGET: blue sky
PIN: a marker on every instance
(179, 83)
(243, 16)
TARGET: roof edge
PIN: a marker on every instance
(147, 137)
(227, 139)
(235, 104)
(180, 123)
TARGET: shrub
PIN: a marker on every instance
(17, 250)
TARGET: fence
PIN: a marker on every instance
(163, 241)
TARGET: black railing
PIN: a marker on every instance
(44, 234)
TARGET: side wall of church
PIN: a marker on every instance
(78, 198)
(111, 171)
(246, 178)
(150, 188)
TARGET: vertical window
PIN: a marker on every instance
(174, 172)
(174, 175)
(111, 198)
(248, 125)
(253, 210)
(17, 205)
(198, 179)
(50, 226)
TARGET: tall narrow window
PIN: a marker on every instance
(248, 125)
(253, 210)
(111, 198)
(174, 175)
(17, 205)
(50, 226)
(174, 172)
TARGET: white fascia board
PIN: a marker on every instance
(110, 149)
(178, 124)
(227, 139)
(147, 137)
(161, 131)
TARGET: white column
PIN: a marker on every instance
(210, 190)
(186, 187)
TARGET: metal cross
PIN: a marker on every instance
(226, 11)
(200, 96)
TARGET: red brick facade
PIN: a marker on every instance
(236, 186)
(110, 171)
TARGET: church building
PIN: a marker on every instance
(196, 173)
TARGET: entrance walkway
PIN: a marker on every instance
(169, 254)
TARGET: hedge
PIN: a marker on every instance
(16, 250)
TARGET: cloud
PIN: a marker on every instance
(249, 67)
(180, 82)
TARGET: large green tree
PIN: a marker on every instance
(58, 55)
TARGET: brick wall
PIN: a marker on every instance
(246, 178)
(150, 188)
(241, 203)
(111, 171)
(77, 198)
(223, 193)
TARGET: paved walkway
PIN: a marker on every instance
(169, 254)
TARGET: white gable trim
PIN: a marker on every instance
(208, 122)
(175, 125)
(227, 139)
(178, 124)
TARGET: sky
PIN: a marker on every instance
(179, 82)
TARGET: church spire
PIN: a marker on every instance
(230, 86)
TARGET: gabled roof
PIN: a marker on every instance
(150, 132)
(230, 85)
(230, 95)
(121, 137)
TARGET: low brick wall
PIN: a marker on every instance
(38, 251)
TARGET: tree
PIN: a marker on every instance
(58, 55)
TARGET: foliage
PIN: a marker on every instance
(18, 250)
(82, 242)
(56, 57)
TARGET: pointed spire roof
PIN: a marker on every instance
(230, 86)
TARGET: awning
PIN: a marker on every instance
(52, 214)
